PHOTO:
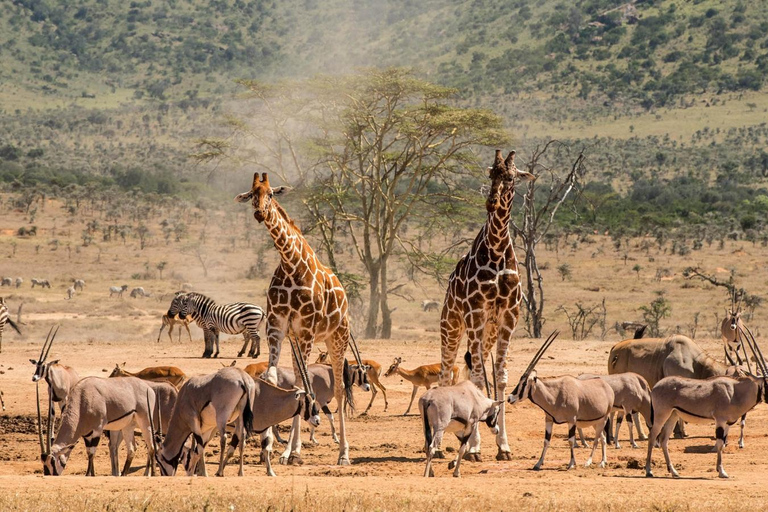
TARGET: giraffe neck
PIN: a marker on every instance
(497, 225)
(287, 237)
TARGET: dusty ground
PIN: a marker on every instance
(97, 332)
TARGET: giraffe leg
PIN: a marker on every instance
(337, 346)
(505, 330)
(476, 326)
(451, 331)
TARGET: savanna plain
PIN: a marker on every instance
(98, 332)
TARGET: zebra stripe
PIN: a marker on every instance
(5, 317)
(234, 318)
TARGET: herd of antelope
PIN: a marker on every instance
(667, 381)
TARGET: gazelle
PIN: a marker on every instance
(170, 374)
(580, 403)
(170, 322)
(96, 405)
(722, 399)
(457, 408)
(60, 379)
(421, 376)
(373, 373)
(207, 403)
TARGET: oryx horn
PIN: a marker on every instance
(47, 344)
(39, 420)
(755, 348)
(485, 378)
(300, 365)
(541, 351)
(355, 350)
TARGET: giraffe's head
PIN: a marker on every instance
(260, 195)
(503, 174)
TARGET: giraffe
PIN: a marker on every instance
(483, 296)
(305, 298)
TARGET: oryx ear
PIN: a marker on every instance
(277, 191)
(33, 362)
(299, 393)
(54, 362)
(497, 403)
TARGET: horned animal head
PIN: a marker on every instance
(40, 363)
(260, 195)
(393, 368)
(759, 359)
(529, 375)
(358, 373)
(503, 174)
(118, 370)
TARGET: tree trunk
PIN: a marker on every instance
(374, 300)
(386, 313)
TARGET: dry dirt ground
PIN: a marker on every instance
(387, 464)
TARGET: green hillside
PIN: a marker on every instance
(649, 52)
(668, 95)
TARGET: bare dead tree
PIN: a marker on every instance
(584, 319)
(538, 216)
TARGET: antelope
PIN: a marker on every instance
(580, 403)
(273, 405)
(165, 398)
(321, 378)
(722, 399)
(96, 405)
(632, 395)
(458, 408)
(170, 321)
(422, 376)
(170, 374)
(374, 372)
(60, 379)
(205, 404)
(117, 290)
(730, 329)
(656, 358)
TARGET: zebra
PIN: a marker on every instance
(70, 292)
(117, 290)
(212, 318)
(5, 317)
(18, 282)
(79, 284)
(42, 283)
(7, 281)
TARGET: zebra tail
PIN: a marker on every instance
(13, 324)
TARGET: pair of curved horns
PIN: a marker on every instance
(302, 367)
(355, 350)
(47, 344)
(755, 348)
(550, 339)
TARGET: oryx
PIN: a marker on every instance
(580, 403)
(721, 399)
(60, 379)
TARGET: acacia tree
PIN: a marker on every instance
(393, 151)
(541, 203)
(371, 155)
